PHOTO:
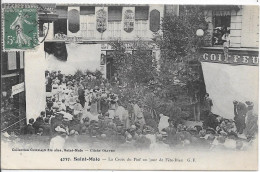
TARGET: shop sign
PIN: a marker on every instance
(233, 57)
(18, 88)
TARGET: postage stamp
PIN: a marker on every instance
(20, 28)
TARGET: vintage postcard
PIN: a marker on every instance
(115, 86)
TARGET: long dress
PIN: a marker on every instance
(163, 122)
(138, 113)
(93, 106)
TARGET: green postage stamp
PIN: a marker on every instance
(20, 28)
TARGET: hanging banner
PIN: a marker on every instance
(129, 20)
(154, 20)
(18, 88)
(101, 20)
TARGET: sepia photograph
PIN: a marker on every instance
(129, 86)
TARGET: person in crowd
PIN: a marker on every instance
(62, 106)
(29, 128)
(75, 124)
(81, 93)
(251, 121)
(43, 114)
(195, 102)
(89, 105)
(163, 123)
(46, 127)
(56, 121)
(171, 132)
(55, 89)
(207, 105)
(77, 107)
(115, 80)
(38, 124)
(240, 111)
(58, 141)
(60, 76)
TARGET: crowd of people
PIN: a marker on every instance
(86, 105)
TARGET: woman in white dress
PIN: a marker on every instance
(58, 141)
(163, 122)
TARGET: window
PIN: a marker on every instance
(87, 26)
(114, 29)
(60, 25)
(141, 13)
(114, 14)
(87, 10)
(141, 20)
(114, 22)
(221, 24)
(141, 27)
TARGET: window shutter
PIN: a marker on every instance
(87, 10)
(73, 19)
(114, 13)
(154, 20)
(141, 13)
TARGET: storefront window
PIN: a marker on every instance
(221, 30)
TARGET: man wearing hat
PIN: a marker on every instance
(29, 129)
(240, 111)
(58, 141)
(56, 121)
(81, 92)
(77, 107)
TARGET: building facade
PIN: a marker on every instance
(230, 58)
(101, 24)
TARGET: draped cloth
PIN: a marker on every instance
(226, 83)
(79, 56)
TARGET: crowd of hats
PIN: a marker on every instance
(87, 105)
